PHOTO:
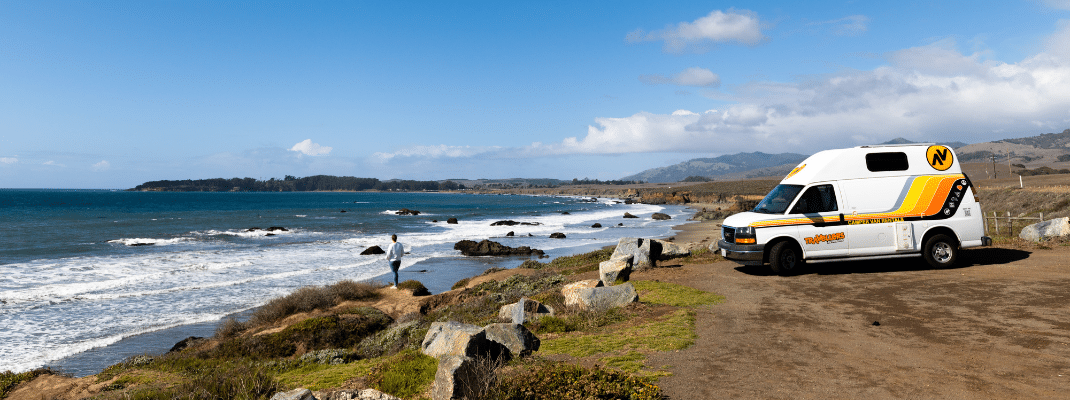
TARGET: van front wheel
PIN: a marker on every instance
(784, 258)
(941, 251)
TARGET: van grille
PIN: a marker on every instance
(729, 234)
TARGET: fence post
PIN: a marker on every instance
(1041, 218)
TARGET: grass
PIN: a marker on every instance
(673, 332)
(417, 288)
(405, 374)
(671, 294)
(310, 298)
(571, 265)
(320, 376)
(540, 379)
(8, 379)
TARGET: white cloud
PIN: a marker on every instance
(693, 76)
(852, 25)
(1060, 4)
(440, 151)
(308, 148)
(103, 165)
(8, 160)
(740, 26)
(53, 163)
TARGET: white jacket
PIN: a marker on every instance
(395, 251)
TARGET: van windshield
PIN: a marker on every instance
(778, 200)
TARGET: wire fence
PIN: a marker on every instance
(1009, 222)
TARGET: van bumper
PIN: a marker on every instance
(746, 254)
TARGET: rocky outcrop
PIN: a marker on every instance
(510, 234)
(1046, 229)
(524, 310)
(660, 216)
(296, 394)
(596, 225)
(187, 342)
(457, 377)
(457, 339)
(511, 223)
(590, 295)
(515, 337)
(451, 220)
(372, 250)
(406, 211)
(557, 235)
(629, 215)
(619, 267)
(305, 394)
(490, 248)
(670, 250)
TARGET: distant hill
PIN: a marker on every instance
(715, 167)
(1045, 149)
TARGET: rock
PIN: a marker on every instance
(619, 267)
(596, 225)
(524, 310)
(570, 291)
(270, 234)
(629, 215)
(455, 338)
(343, 211)
(434, 221)
(620, 224)
(141, 244)
(1046, 229)
(372, 250)
(645, 252)
(670, 250)
(660, 216)
(366, 394)
(557, 235)
(456, 377)
(489, 248)
(277, 228)
(253, 229)
(509, 234)
(451, 221)
(406, 211)
(515, 337)
(296, 394)
(601, 298)
(187, 342)
(511, 223)
(714, 248)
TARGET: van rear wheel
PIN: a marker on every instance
(785, 258)
(941, 251)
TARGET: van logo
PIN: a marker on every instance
(939, 157)
(795, 171)
(831, 238)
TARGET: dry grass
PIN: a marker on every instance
(311, 298)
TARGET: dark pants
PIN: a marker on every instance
(394, 266)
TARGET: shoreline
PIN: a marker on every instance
(437, 276)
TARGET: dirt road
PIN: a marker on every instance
(997, 326)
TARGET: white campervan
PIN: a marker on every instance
(865, 202)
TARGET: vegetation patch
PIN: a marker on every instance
(314, 376)
(550, 380)
(310, 298)
(672, 294)
(417, 288)
(570, 265)
(673, 332)
(405, 374)
(8, 379)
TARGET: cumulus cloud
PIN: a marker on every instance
(8, 160)
(103, 165)
(440, 151)
(740, 26)
(53, 163)
(693, 76)
(308, 148)
(853, 25)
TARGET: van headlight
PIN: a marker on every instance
(745, 235)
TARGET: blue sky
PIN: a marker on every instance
(97, 94)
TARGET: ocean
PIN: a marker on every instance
(86, 270)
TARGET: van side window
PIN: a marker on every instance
(817, 199)
(878, 162)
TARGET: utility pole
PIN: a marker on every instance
(994, 174)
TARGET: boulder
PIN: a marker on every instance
(620, 224)
(670, 250)
(510, 234)
(616, 268)
(645, 252)
(296, 394)
(372, 250)
(277, 228)
(511, 223)
(596, 225)
(565, 213)
(1046, 229)
(406, 211)
(660, 216)
(456, 378)
(366, 394)
(570, 291)
(455, 338)
(600, 298)
(515, 337)
(490, 248)
(629, 215)
(187, 342)
(451, 220)
(557, 235)
(524, 310)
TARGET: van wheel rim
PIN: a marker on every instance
(942, 252)
(788, 260)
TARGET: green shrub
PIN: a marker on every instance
(404, 375)
(461, 283)
(329, 332)
(8, 379)
(549, 380)
(417, 288)
(229, 328)
(226, 381)
(311, 298)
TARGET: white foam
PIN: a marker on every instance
(148, 241)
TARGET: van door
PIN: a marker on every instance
(825, 234)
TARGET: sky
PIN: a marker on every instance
(101, 94)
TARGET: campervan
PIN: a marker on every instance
(861, 203)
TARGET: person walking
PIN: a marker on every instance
(393, 256)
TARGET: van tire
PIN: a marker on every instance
(785, 258)
(941, 251)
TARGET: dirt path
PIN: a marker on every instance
(998, 326)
